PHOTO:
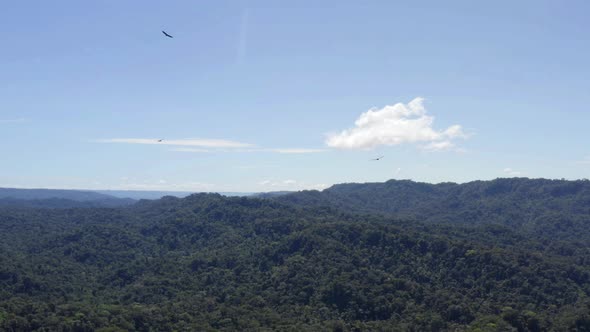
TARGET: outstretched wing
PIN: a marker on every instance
(166, 34)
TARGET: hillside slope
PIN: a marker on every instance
(58, 198)
(208, 262)
(547, 208)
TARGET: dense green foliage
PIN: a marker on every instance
(208, 262)
(547, 208)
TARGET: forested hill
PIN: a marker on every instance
(208, 263)
(74, 195)
(59, 198)
(62, 203)
(550, 207)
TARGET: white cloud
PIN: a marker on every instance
(289, 182)
(198, 145)
(394, 125)
(189, 150)
(510, 172)
(398, 170)
(206, 143)
(585, 161)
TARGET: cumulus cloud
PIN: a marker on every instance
(205, 143)
(510, 172)
(282, 150)
(394, 125)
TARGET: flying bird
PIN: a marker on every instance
(378, 158)
(160, 140)
(166, 34)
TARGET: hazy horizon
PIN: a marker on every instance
(268, 191)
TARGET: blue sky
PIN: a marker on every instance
(266, 95)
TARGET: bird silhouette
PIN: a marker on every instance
(378, 158)
(166, 34)
(160, 140)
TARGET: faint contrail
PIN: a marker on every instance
(18, 120)
(243, 37)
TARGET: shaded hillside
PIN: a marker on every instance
(150, 194)
(546, 207)
(142, 194)
(61, 203)
(57, 198)
(271, 194)
(208, 262)
(75, 195)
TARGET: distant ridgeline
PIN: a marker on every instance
(502, 255)
(59, 198)
(55, 198)
(545, 207)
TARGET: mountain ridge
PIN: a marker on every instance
(210, 262)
